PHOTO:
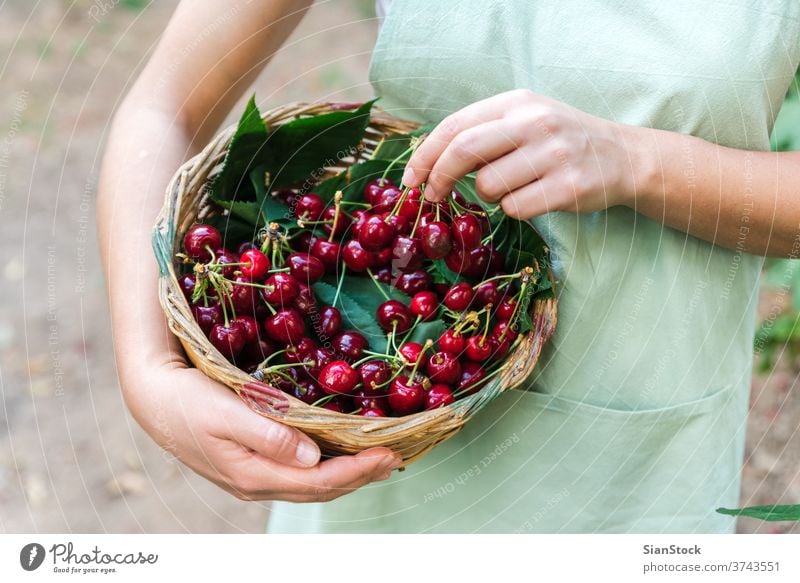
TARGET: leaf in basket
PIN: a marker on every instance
(243, 154)
(353, 181)
(441, 273)
(304, 147)
(233, 229)
(273, 209)
(426, 330)
(358, 301)
(395, 146)
(770, 513)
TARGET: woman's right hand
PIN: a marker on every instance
(210, 429)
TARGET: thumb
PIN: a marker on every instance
(273, 440)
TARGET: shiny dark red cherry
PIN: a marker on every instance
(400, 223)
(406, 396)
(457, 260)
(424, 304)
(410, 207)
(496, 260)
(340, 404)
(243, 297)
(187, 283)
(393, 314)
(436, 240)
(407, 253)
(286, 326)
(374, 373)
(207, 316)
(250, 326)
(254, 264)
(501, 345)
(459, 297)
(229, 340)
(375, 188)
(452, 342)
(256, 352)
(304, 241)
(413, 282)
(364, 400)
(487, 293)
(328, 253)
(350, 345)
(466, 232)
(411, 351)
(382, 258)
(308, 391)
(438, 396)
(477, 264)
(329, 216)
(503, 329)
(283, 383)
(355, 257)
(372, 412)
(305, 302)
(318, 359)
(360, 217)
(330, 322)
(309, 207)
(472, 373)
(375, 234)
(386, 200)
(478, 348)
(305, 267)
(297, 353)
(225, 258)
(200, 240)
(338, 377)
(444, 367)
(280, 289)
(506, 309)
(384, 275)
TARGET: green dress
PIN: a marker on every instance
(634, 419)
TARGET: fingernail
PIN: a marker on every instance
(430, 194)
(307, 454)
(408, 176)
(392, 463)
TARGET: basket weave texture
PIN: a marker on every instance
(412, 436)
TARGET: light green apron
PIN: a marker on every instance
(634, 420)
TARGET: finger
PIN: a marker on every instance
(512, 172)
(270, 439)
(469, 150)
(421, 163)
(537, 198)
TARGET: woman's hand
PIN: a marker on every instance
(533, 155)
(208, 428)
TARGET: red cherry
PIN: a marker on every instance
(187, 283)
(355, 257)
(466, 231)
(496, 260)
(340, 404)
(471, 374)
(375, 234)
(375, 188)
(487, 293)
(285, 326)
(424, 304)
(308, 391)
(305, 302)
(318, 359)
(243, 297)
(459, 297)
(328, 253)
(406, 396)
(229, 340)
(350, 345)
(330, 322)
(284, 384)
(250, 327)
(200, 240)
(452, 342)
(373, 373)
(330, 217)
(338, 377)
(392, 313)
(304, 241)
(386, 200)
(384, 275)
(410, 206)
(309, 207)
(400, 223)
(506, 309)
(500, 348)
(478, 348)
(438, 396)
(411, 351)
(444, 367)
(207, 316)
(370, 401)
(360, 217)
(372, 412)
(223, 257)
(305, 267)
(297, 353)
(436, 241)
(456, 260)
(255, 353)
(477, 265)
(413, 282)
(406, 253)
(506, 331)
(280, 289)
(255, 264)
(382, 257)
(245, 246)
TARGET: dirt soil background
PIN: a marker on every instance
(71, 458)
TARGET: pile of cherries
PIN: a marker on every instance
(258, 307)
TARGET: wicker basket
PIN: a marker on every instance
(337, 433)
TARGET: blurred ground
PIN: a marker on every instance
(71, 458)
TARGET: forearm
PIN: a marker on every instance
(739, 199)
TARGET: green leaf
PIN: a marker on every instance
(441, 273)
(427, 330)
(393, 147)
(233, 229)
(358, 301)
(302, 148)
(770, 513)
(246, 146)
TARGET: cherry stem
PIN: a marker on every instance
(438, 212)
(354, 203)
(378, 284)
(278, 367)
(483, 381)
(393, 163)
(337, 201)
(419, 213)
(426, 346)
(395, 374)
(411, 330)
(323, 401)
(263, 364)
(491, 235)
(339, 286)
(280, 270)
(498, 277)
(398, 204)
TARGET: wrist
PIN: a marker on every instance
(644, 175)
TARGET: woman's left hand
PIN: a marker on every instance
(533, 155)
